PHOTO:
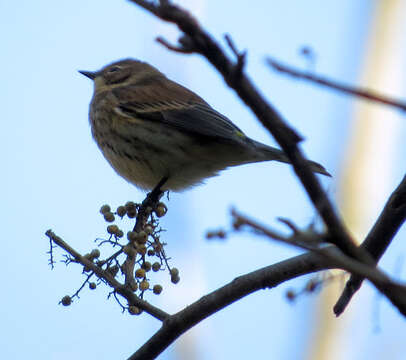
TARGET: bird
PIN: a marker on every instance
(156, 132)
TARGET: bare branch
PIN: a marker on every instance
(241, 57)
(180, 49)
(312, 241)
(379, 238)
(109, 279)
(332, 84)
(268, 277)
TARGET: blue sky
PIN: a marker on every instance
(55, 177)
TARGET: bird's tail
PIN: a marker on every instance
(271, 153)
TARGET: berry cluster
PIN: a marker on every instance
(141, 251)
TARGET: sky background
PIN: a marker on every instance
(53, 176)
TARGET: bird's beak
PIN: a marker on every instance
(88, 74)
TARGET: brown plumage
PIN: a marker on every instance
(149, 127)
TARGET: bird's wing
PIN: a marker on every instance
(184, 111)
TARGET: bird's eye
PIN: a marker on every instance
(114, 69)
(116, 74)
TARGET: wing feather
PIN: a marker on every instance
(177, 107)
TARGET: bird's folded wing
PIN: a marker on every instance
(193, 116)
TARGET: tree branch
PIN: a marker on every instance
(310, 240)
(109, 279)
(332, 84)
(378, 239)
(268, 277)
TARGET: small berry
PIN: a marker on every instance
(144, 285)
(130, 205)
(157, 289)
(140, 273)
(151, 252)
(66, 300)
(146, 266)
(121, 211)
(132, 236)
(131, 214)
(95, 253)
(156, 266)
(92, 286)
(161, 209)
(134, 310)
(149, 229)
(131, 209)
(112, 229)
(105, 209)
(142, 237)
(175, 279)
(129, 250)
(174, 272)
(109, 216)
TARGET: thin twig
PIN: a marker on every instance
(110, 280)
(378, 239)
(395, 292)
(175, 48)
(240, 56)
(332, 84)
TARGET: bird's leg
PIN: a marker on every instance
(148, 204)
(156, 192)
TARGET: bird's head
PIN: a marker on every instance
(123, 72)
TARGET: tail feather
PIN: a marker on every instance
(271, 153)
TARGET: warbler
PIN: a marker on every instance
(153, 130)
